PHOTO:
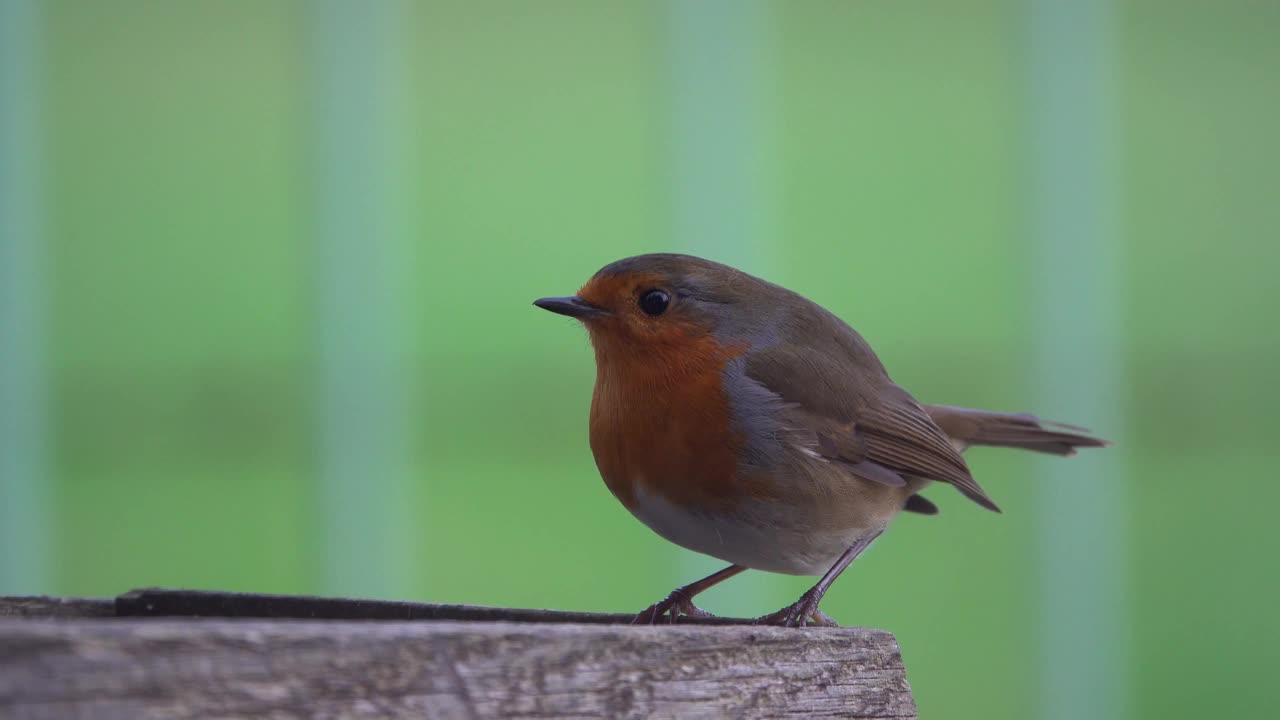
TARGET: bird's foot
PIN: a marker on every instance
(799, 614)
(667, 610)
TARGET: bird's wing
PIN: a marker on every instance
(861, 418)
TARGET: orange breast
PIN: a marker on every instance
(660, 422)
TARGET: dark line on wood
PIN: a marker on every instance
(156, 602)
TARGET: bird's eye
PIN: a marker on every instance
(655, 302)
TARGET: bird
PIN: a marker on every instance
(740, 420)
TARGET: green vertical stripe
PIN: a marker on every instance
(357, 60)
(1084, 509)
(24, 518)
(720, 52)
(720, 197)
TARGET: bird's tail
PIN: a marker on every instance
(968, 427)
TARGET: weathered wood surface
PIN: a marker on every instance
(43, 606)
(95, 667)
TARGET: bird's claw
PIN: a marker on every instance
(801, 613)
(668, 610)
(789, 616)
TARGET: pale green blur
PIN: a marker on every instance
(534, 148)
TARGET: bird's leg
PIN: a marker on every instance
(805, 610)
(680, 601)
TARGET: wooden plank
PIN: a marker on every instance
(44, 606)
(201, 667)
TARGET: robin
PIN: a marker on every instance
(740, 420)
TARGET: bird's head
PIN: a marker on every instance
(666, 301)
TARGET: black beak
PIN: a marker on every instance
(573, 306)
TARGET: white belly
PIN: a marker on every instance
(759, 535)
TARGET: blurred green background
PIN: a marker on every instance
(270, 266)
